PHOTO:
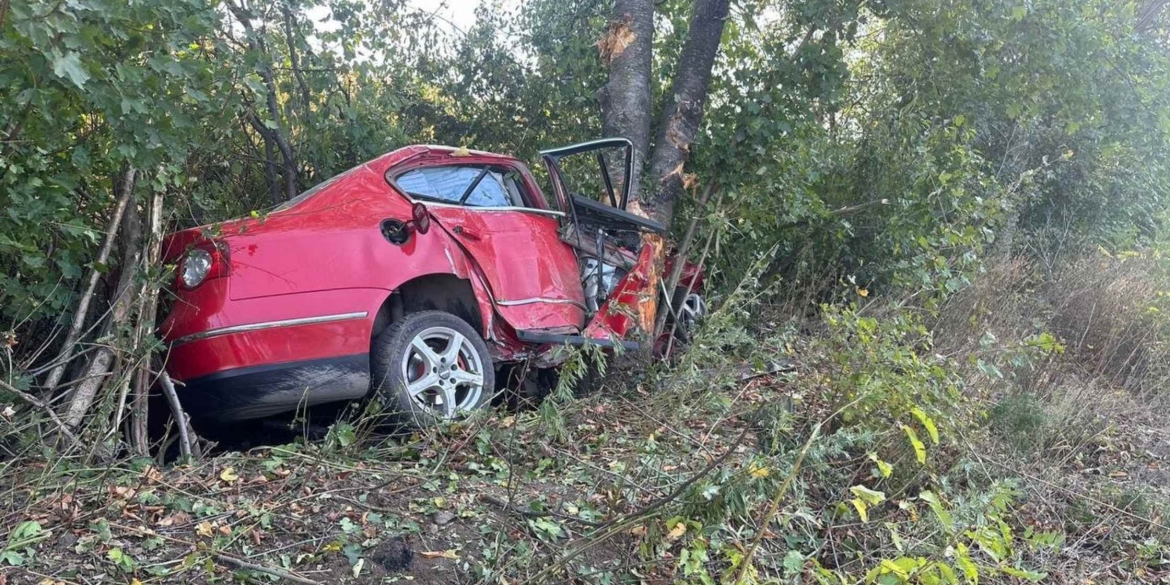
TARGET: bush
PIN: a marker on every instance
(1021, 421)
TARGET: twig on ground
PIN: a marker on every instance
(286, 575)
(618, 525)
(263, 569)
(534, 514)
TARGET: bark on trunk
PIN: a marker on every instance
(276, 135)
(79, 316)
(99, 366)
(684, 107)
(628, 49)
(295, 60)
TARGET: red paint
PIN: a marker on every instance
(326, 255)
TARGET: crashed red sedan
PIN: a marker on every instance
(413, 279)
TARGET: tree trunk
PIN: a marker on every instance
(79, 316)
(147, 309)
(290, 165)
(99, 366)
(628, 48)
(683, 109)
(276, 135)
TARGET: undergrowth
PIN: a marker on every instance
(875, 443)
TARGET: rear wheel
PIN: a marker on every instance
(689, 308)
(429, 367)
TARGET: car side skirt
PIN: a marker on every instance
(259, 391)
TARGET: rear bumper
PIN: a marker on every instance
(258, 391)
(248, 359)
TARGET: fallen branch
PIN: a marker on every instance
(746, 563)
(41, 405)
(264, 569)
(181, 421)
(535, 514)
(618, 525)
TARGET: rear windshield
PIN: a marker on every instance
(311, 192)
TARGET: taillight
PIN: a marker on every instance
(204, 261)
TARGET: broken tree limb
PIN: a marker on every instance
(241, 563)
(66, 354)
(841, 212)
(690, 287)
(680, 263)
(186, 445)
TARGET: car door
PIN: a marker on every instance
(488, 208)
(627, 243)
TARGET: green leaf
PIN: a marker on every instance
(69, 66)
(793, 562)
(121, 559)
(963, 558)
(894, 536)
(939, 511)
(1032, 576)
(919, 448)
(870, 496)
(885, 469)
(25, 531)
(862, 509)
(926, 422)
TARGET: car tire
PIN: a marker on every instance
(690, 309)
(429, 367)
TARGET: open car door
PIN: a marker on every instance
(616, 268)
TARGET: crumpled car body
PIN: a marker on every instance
(290, 302)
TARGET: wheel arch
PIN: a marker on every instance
(436, 291)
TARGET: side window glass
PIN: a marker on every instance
(448, 184)
(489, 192)
(515, 191)
(445, 184)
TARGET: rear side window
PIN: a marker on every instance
(450, 184)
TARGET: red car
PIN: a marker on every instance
(411, 278)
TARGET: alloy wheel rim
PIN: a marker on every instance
(443, 372)
(692, 310)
